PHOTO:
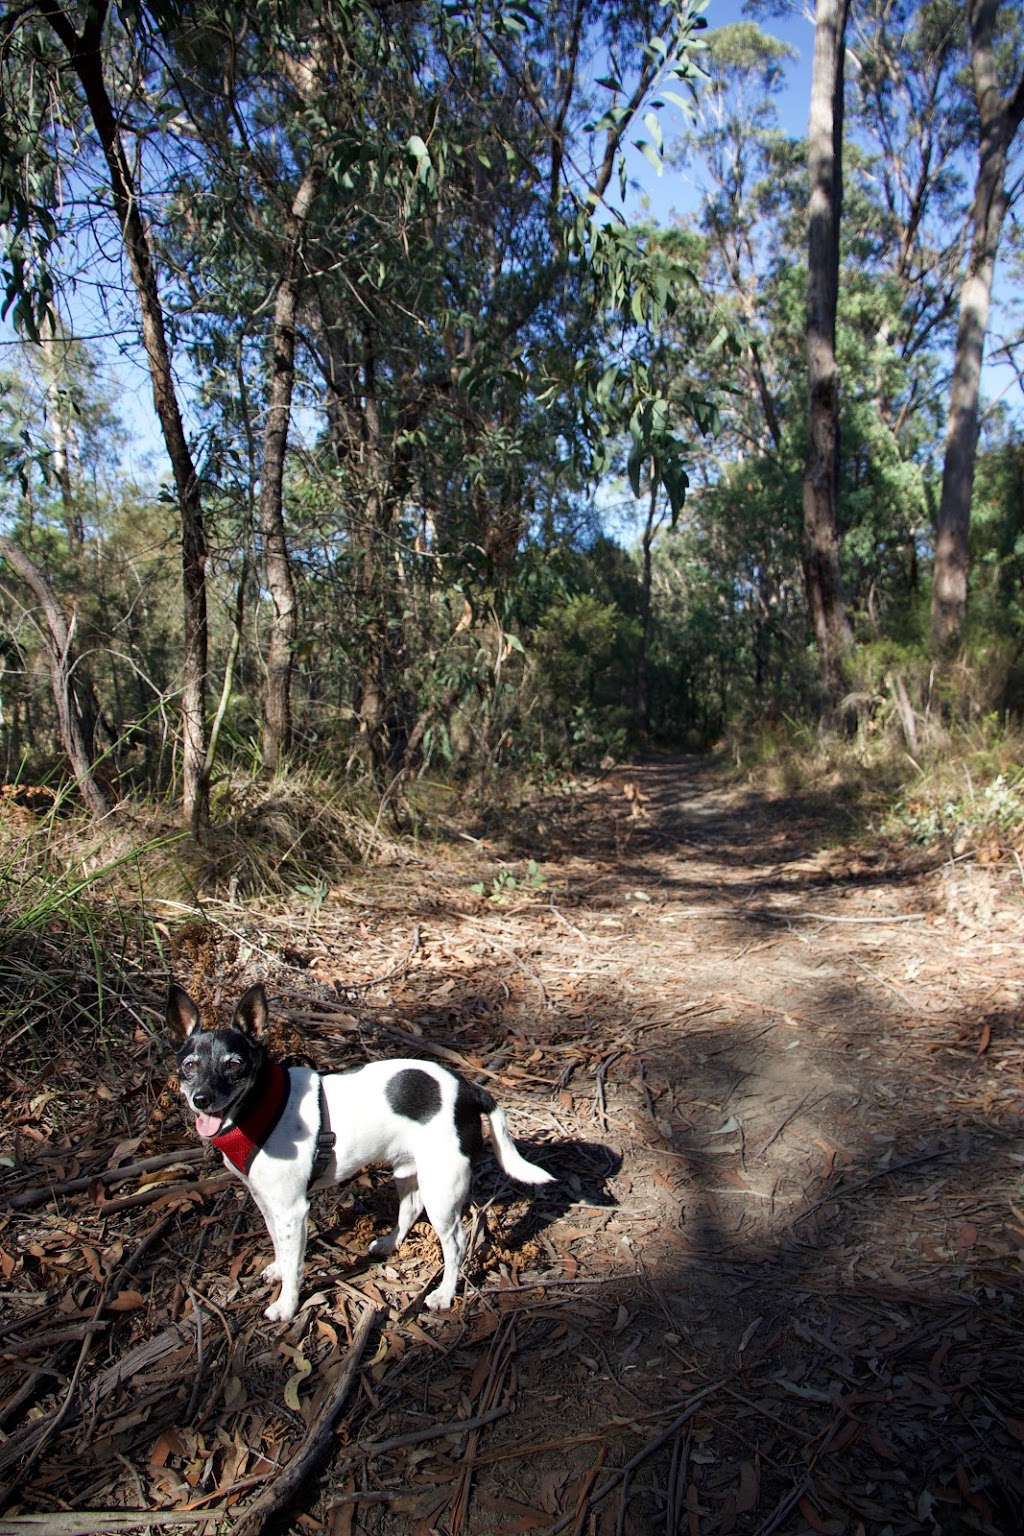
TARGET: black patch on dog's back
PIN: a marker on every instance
(414, 1094)
(471, 1102)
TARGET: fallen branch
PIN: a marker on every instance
(185, 1188)
(316, 1444)
(85, 1522)
(44, 1192)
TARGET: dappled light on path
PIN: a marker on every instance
(777, 1073)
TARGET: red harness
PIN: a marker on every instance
(260, 1112)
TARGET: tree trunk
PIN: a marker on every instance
(822, 574)
(85, 54)
(999, 120)
(376, 745)
(643, 681)
(73, 696)
(277, 728)
(53, 357)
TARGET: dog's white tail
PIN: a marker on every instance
(508, 1154)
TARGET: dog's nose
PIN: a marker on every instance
(201, 1100)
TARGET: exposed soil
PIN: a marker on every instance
(777, 1070)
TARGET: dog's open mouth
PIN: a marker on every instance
(208, 1125)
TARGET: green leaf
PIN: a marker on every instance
(649, 153)
(654, 128)
(679, 101)
(634, 464)
(606, 384)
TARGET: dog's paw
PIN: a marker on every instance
(438, 1301)
(270, 1275)
(381, 1247)
(279, 1311)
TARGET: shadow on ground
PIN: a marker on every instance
(776, 1288)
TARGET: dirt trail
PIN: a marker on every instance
(778, 1285)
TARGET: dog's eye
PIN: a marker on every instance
(233, 1065)
(188, 1066)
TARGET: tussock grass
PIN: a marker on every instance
(915, 765)
(82, 908)
(71, 947)
(294, 833)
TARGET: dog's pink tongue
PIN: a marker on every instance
(209, 1125)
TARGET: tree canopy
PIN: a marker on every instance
(465, 465)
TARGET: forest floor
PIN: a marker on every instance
(776, 1065)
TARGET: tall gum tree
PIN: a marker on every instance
(735, 137)
(85, 54)
(430, 398)
(307, 78)
(913, 114)
(822, 573)
(999, 118)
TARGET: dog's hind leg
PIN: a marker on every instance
(444, 1196)
(410, 1205)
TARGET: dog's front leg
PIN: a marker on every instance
(289, 1232)
(287, 1226)
(272, 1273)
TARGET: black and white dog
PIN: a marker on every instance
(288, 1130)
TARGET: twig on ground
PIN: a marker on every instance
(896, 991)
(600, 1073)
(578, 1517)
(571, 926)
(48, 1427)
(780, 1127)
(499, 1360)
(839, 1191)
(894, 917)
(435, 1432)
(625, 1473)
(347, 988)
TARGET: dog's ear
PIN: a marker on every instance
(182, 1013)
(252, 1015)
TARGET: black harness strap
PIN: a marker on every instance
(324, 1142)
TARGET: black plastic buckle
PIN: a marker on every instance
(324, 1144)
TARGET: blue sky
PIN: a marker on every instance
(677, 191)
